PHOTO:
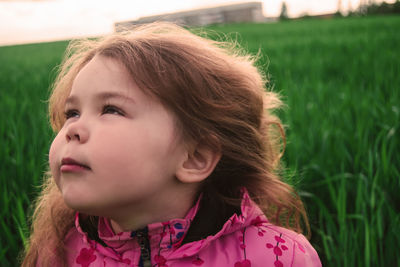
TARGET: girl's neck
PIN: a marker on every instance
(175, 208)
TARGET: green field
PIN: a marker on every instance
(340, 80)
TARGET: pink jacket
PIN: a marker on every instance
(245, 240)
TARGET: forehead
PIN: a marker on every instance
(103, 74)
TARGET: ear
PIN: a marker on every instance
(198, 164)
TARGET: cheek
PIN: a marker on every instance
(129, 151)
(117, 151)
(54, 155)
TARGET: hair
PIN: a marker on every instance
(217, 95)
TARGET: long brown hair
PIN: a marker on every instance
(217, 95)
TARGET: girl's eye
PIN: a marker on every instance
(71, 113)
(109, 109)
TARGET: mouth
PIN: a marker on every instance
(72, 165)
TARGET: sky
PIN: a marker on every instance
(49, 20)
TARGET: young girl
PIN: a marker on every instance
(166, 154)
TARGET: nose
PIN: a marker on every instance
(77, 131)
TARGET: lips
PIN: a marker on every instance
(73, 162)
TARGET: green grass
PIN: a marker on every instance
(340, 81)
(25, 74)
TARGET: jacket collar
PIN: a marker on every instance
(251, 214)
(166, 237)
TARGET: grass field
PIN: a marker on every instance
(340, 81)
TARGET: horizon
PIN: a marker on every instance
(57, 20)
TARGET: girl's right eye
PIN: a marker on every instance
(71, 113)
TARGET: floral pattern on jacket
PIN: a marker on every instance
(245, 240)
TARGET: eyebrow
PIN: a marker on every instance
(101, 97)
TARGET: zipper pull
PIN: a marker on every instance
(143, 240)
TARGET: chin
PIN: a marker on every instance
(77, 205)
(85, 208)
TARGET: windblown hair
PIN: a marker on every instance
(218, 97)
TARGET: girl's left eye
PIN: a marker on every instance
(109, 109)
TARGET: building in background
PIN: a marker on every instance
(235, 13)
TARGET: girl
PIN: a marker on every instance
(166, 154)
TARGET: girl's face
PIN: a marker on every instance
(118, 147)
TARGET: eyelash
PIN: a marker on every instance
(70, 113)
(114, 109)
(106, 110)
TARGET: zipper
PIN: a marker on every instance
(143, 240)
